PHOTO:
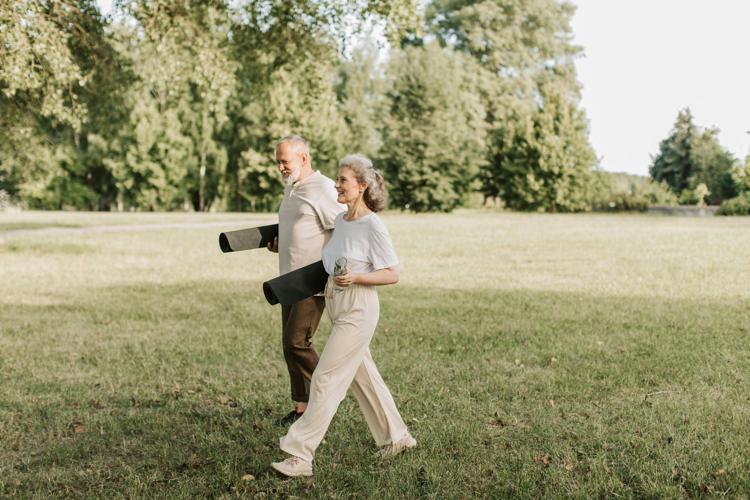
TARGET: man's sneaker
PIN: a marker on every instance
(405, 443)
(293, 467)
(289, 418)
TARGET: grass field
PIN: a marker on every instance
(531, 355)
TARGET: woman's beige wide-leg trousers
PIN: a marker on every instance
(345, 362)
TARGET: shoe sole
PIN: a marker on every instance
(286, 474)
(402, 450)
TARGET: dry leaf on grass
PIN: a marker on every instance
(719, 472)
(543, 459)
(227, 401)
(248, 477)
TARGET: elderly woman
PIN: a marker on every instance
(352, 303)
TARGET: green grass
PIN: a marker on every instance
(531, 355)
(10, 221)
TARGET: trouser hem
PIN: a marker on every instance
(287, 450)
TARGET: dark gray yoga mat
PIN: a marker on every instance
(296, 285)
(247, 239)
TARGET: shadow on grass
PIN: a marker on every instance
(172, 390)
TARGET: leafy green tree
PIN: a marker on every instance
(539, 157)
(38, 72)
(187, 67)
(691, 156)
(673, 163)
(360, 90)
(434, 133)
(288, 57)
(48, 117)
(177, 104)
(741, 175)
(286, 66)
(542, 159)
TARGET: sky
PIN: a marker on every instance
(647, 59)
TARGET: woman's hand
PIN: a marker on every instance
(385, 276)
(346, 279)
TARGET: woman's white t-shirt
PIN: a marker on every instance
(364, 242)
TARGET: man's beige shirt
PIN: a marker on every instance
(306, 218)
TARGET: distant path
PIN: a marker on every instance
(115, 228)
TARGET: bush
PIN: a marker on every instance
(617, 192)
(739, 205)
(688, 197)
(622, 202)
(658, 193)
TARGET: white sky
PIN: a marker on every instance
(647, 59)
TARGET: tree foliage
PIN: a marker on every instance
(433, 131)
(539, 157)
(177, 104)
(691, 156)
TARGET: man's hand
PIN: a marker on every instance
(273, 246)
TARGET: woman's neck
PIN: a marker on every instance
(357, 209)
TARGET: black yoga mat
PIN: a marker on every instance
(247, 239)
(296, 285)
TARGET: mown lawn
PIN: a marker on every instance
(531, 355)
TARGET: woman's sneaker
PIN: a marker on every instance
(293, 467)
(405, 443)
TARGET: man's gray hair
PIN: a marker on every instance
(297, 141)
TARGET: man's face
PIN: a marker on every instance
(289, 161)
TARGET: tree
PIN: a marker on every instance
(741, 175)
(434, 134)
(691, 156)
(539, 157)
(38, 72)
(360, 90)
(542, 159)
(673, 164)
(177, 104)
(286, 67)
(288, 55)
(71, 89)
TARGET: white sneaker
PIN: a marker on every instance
(293, 467)
(405, 443)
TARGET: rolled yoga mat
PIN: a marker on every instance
(296, 285)
(247, 239)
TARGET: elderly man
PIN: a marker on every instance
(306, 217)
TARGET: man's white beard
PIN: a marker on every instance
(292, 177)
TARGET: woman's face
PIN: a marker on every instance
(348, 187)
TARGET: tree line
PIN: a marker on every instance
(177, 104)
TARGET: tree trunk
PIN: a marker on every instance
(202, 173)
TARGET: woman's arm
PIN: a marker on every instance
(385, 276)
